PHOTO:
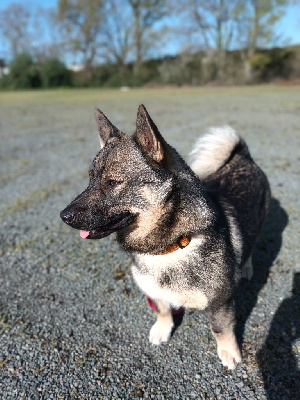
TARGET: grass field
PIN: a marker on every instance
(73, 325)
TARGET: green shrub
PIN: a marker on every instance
(23, 73)
(272, 63)
(54, 73)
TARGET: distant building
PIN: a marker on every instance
(75, 67)
(4, 70)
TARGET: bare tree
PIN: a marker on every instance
(117, 33)
(211, 24)
(257, 28)
(31, 30)
(145, 13)
(81, 22)
(45, 35)
(15, 28)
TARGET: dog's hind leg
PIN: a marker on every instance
(222, 322)
(247, 269)
(162, 329)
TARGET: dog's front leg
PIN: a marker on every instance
(222, 323)
(162, 329)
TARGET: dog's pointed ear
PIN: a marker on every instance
(106, 128)
(148, 136)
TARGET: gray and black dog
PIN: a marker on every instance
(190, 230)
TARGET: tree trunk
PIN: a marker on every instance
(138, 37)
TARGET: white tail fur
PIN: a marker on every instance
(212, 150)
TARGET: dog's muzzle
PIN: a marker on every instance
(92, 231)
(68, 216)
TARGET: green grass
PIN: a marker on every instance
(95, 95)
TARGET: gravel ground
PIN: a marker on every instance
(73, 325)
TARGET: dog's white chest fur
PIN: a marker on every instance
(148, 270)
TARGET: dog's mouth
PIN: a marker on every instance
(101, 232)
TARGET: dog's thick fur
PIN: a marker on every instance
(143, 190)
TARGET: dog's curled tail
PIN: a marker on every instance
(214, 149)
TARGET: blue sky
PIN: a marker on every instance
(288, 27)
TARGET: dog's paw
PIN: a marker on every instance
(160, 332)
(230, 357)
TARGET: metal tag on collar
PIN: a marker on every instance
(183, 242)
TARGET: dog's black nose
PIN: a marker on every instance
(67, 216)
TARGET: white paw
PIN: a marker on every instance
(160, 332)
(230, 358)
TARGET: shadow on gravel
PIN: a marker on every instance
(276, 360)
(265, 253)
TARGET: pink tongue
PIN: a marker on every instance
(84, 234)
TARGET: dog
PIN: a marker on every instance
(190, 229)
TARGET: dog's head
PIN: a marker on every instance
(129, 182)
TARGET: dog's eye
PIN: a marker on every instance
(112, 183)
